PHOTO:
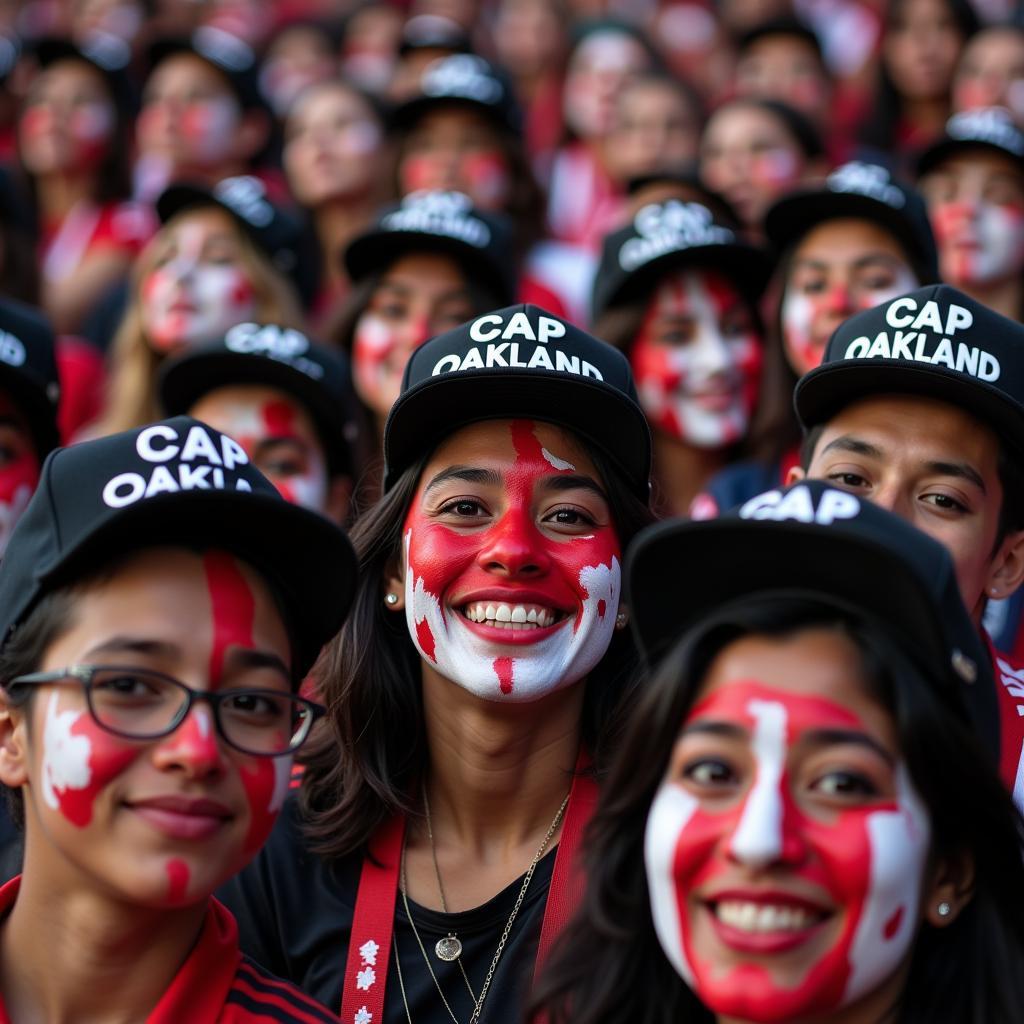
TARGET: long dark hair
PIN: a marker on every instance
(608, 966)
(361, 765)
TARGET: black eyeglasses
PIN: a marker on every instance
(140, 704)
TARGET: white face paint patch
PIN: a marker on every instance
(65, 755)
(554, 460)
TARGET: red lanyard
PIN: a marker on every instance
(369, 950)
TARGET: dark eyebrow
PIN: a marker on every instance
(854, 445)
(960, 470)
(245, 657)
(574, 481)
(832, 737)
(469, 474)
(710, 727)
(133, 645)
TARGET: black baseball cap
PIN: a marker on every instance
(465, 79)
(866, 191)
(176, 482)
(520, 362)
(226, 53)
(936, 342)
(276, 233)
(784, 25)
(991, 128)
(279, 357)
(670, 235)
(812, 540)
(437, 221)
(28, 370)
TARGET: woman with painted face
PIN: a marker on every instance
(922, 42)
(973, 181)
(804, 821)
(846, 244)
(212, 265)
(425, 266)
(753, 151)
(334, 161)
(148, 754)
(478, 689)
(73, 143)
(677, 292)
(991, 71)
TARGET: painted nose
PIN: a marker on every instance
(194, 747)
(838, 300)
(514, 547)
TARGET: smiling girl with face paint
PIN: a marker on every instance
(490, 626)
(148, 754)
(800, 825)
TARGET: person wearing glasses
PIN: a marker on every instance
(151, 647)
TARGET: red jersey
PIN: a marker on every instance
(216, 984)
(1010, 683)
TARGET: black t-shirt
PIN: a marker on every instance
(295, 912)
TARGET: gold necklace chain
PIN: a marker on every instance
(479, 1001)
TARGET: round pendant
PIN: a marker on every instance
(448, 949)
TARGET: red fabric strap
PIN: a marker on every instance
(567, 880)
(369, 950)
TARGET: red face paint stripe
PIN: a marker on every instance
(177, 880)
(233, 607)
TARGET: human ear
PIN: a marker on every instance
(13, 743)
(950, 891)
(394, 587)
(795, 475)
(339, 498)
(1006, 572)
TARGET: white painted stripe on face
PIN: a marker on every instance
(757, 841)
(670, 813)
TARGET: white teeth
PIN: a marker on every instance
(761, 917)
(516, 616)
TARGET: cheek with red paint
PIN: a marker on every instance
(380, 351)
(79, 760)
(266, 785)
(578, 581)
(207, 130)
(483, 176)
(89, 130)
(979, 243)
(854, 875)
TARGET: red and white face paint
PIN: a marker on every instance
(808, 320)
(482, 175)
(696, 375)
(188, 299)
(380, 350)
(198, 132)
(980, 242)
(741, 886)
(508, 611)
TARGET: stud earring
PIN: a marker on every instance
(943, 909)
(391, 599)
(621, 619)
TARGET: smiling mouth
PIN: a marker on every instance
(511, 616)
(762, 918)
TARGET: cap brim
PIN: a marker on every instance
(183, 381)
(408, 113)
(377, 250)
(788, 220)
(428, 413)
(736, 559)
(934, 155)
(748, 267)
(824, 391)
(34, 404)
(305, 556)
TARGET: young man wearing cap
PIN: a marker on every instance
(148, 753)
(973, 180)
(285, 400)
(918, 406)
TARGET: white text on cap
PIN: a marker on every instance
(799, 505)
(12, 349)
(910, 342)
(284, 344)
(870, 180)
(669, 227)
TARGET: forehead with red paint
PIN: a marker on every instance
(256, 415)
(674, 294)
